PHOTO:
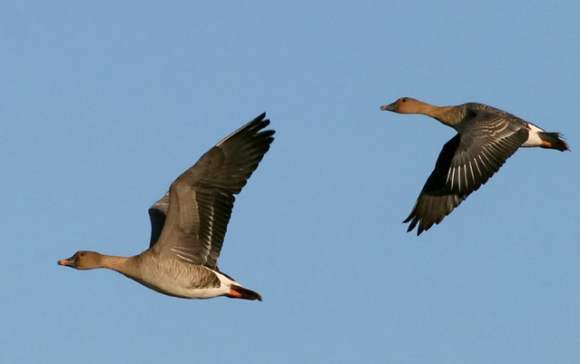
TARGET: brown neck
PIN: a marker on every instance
(123, 265)
(449, 115)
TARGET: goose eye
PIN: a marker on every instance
(404, 99)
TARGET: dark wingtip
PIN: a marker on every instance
(415, 222)
(264, 122)
(255, 127)
(259, 121)
(412, 220)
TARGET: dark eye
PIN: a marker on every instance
(404, 99)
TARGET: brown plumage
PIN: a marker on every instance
(189, 223)
(486, 137)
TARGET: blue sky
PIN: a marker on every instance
(103, 104)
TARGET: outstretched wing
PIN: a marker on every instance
(465, 163)
(195, 213)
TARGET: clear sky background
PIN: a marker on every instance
(103, 104)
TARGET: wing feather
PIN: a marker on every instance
(486, 144)
(199, 203)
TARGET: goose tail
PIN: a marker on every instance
(552, 140)
(243, 293)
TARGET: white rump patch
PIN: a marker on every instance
(534, 139)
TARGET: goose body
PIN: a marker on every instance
(172, 277)
(486, 137)
(189, 223)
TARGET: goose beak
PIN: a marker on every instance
(389, 107)
(66, 262)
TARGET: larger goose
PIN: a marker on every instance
(485, 138)
(188, 224)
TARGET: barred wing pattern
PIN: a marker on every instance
(465, 163)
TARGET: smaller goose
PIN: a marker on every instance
(486, 137)
(188, 224)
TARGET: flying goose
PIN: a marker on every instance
(486, 137)
(188, 223)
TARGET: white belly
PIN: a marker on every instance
(203, 292)
(177, 282)
(223, 289)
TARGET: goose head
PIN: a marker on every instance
(406, 105)
(83, 259)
